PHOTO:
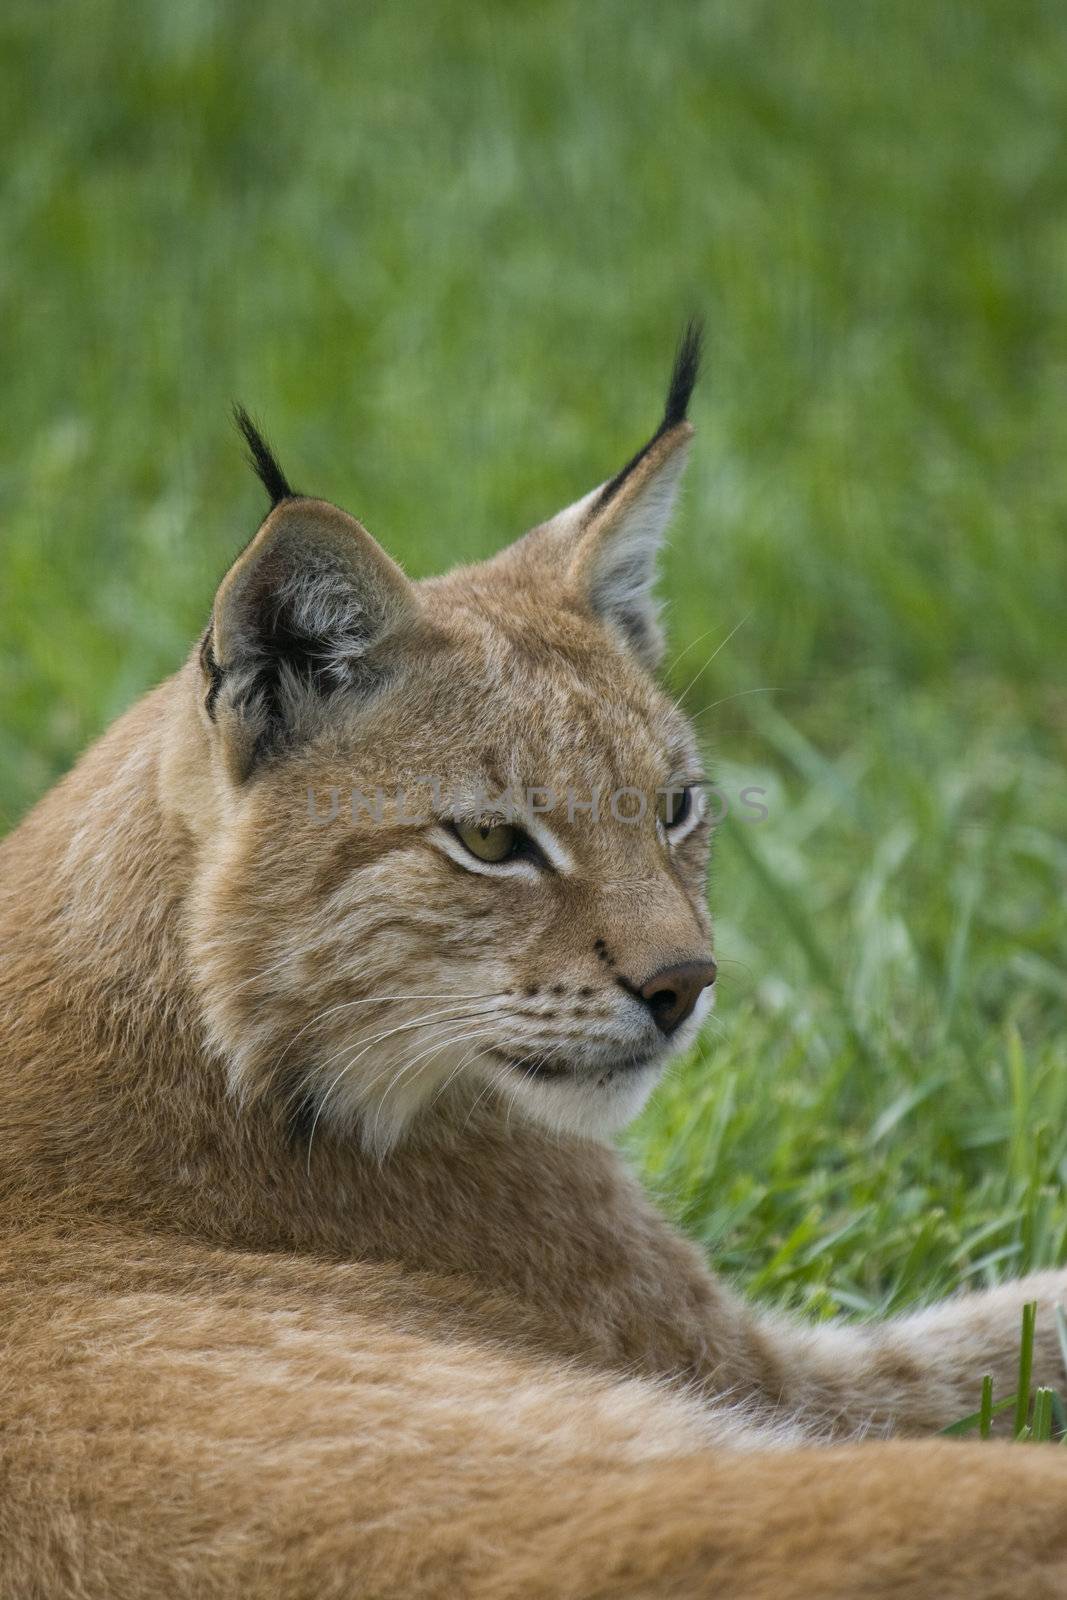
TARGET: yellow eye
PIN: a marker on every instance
(489, 841)
(674, 806)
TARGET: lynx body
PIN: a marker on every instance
(318, 1274)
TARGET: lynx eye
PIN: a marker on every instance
(489, 841)
(674, 807)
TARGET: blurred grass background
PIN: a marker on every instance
(443, 250)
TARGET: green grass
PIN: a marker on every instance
(443, 250)
(1038, 1413)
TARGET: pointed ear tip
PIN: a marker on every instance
(289, 525)
(307, 520)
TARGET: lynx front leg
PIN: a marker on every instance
(917, 1373)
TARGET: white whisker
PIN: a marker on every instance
(374, 999)
(443, 1012)
(403, 1027)
(721, 646)
(740, 695)
(409, 1066)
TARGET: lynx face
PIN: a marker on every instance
(460, 850)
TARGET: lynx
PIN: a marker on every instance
(326, 977)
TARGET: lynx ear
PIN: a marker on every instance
(607, 544)
(305, 613)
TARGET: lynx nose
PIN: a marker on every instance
(672, 992)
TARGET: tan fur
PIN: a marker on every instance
(293, 1308)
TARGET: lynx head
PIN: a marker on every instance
(458, 847)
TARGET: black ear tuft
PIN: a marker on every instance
(684, 374)
(262, 459)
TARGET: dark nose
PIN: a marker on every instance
(672, 992)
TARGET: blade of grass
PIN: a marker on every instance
(1041, 1424)
(985, 1415)
(1026, 1367)
(955, 1430)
